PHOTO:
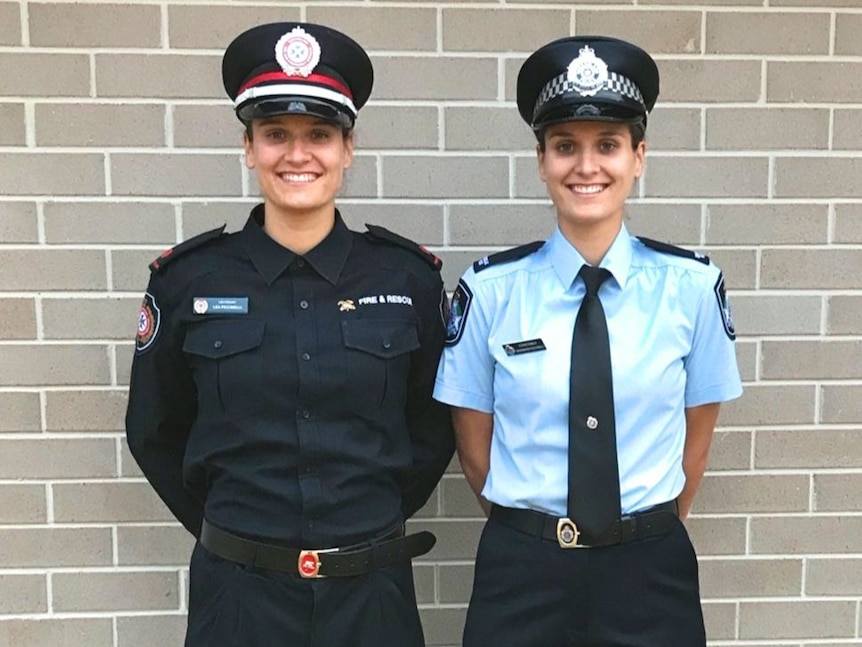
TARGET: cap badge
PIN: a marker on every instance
(587, 73)
(298, 52)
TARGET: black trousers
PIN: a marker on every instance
(234, 606)
(528, 592)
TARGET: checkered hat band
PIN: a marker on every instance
(561, 84)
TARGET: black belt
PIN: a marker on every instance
(349, 561)
(652, 522)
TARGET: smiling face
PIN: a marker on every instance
(300, 162)
(589, 168)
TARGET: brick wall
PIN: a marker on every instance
(116, 141)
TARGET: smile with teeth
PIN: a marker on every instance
(298, 177)
(588, 188)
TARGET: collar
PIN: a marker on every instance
(270, 259)
(567, 261)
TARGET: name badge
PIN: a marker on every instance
(220, 305)
(521, 347)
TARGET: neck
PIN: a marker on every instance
(592, 242)
(298, 232)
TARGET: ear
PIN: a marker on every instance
(348, 150)
(640, 153)
(540, 159)
(248, 145)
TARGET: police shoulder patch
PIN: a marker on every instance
(187, 245)
(507, 256)
(674, 250)
(724, 308)
(381, 234)
(458, 311)
(149, 321)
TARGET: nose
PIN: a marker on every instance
(586, 163)
(296, 151)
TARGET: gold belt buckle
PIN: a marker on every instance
(308, 564)
(567, 533)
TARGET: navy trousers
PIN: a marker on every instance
(234, 606)
(529, 592)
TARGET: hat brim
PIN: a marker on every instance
(589, 112)
(299, 105)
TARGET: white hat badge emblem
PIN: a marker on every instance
(587, 73)
(297, 52)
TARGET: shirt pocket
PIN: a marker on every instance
(378, 359)
(227, 362)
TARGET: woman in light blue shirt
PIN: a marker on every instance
(584, 415)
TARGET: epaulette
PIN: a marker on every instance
(195, 241)
(382, 234)
(675, 251)
(507, 256)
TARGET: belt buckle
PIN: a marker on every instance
(567, 533)
(308, 564)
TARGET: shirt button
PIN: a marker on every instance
(305, 414)
(387, 343)
(217, 343)
(303, 304)
(306, 356)
(300, 263)
(592, 423)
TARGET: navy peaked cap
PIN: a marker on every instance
(297, 68)
(587, 77)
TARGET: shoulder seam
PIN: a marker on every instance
(187, 245)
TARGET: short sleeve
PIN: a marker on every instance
(465, 377)
(712, 374)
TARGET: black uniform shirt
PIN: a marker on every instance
(304, 414)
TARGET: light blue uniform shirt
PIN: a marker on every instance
(671, 339)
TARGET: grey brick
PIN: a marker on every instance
(55, 547)
(739, 266)
(19, 319)
(748, 578)
(848, 223)
(107, 503)
(86, 410)
(762, 224)
(22, 504)
(747, 358)
(706, 177)
(80, 458)
(811, 359)
(720, 619)
(115, 591)
(52, 173)
(749, 33)
(131, 268)
(709, 81)
(809, 269)
(18, 222)
(505, 30)
(817, 177)
(420, 222)
(78, 318)
(398, 127)
(776, 315)
(842, 404)
(44, 75)
(527, 181)
(139, 631)
(843, 314)
(445, 177)
(845, 130)
(173, 76)
(674, 129)
(456, 583)
(767, 128)
(197, 126)
(500, 224)
(795, 619)
(94, 25)
(658, 32)
(109, 222)
(88, 124)
(12, 117)
(678, 224)
(381, 28)
(838, 492)
(23, 594)
(65, 632)
(808, 449)
(812, 82)
(717, 535)
(27, 365)
(470, 128)
(801, 535)
(10, 23)
(223, 23)
(730, 450)
(396, 78)
(766, 404)
(752, 493)
(154, 545)
(455, 540)
(443, 625)
(21, 412)
(833, 576)
(147, 174)
(423, 583)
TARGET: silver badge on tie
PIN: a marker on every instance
(592, 423)
(587, 73)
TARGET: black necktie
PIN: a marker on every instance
(594, 484)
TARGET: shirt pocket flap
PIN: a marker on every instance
(381, 338)
(218, 339)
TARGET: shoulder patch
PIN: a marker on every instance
(458, 311)
(149, 321)
(724, 308)
(195, 241)
(673, 250)
(381, 234)
(507, 256)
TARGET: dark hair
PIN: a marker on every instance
(637, 130)
(345, 132)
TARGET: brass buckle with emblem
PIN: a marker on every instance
(567, 533)
(308, 564)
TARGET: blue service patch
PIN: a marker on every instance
(220, 305)
(458, 312)
(724, 307)
(149, 321)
